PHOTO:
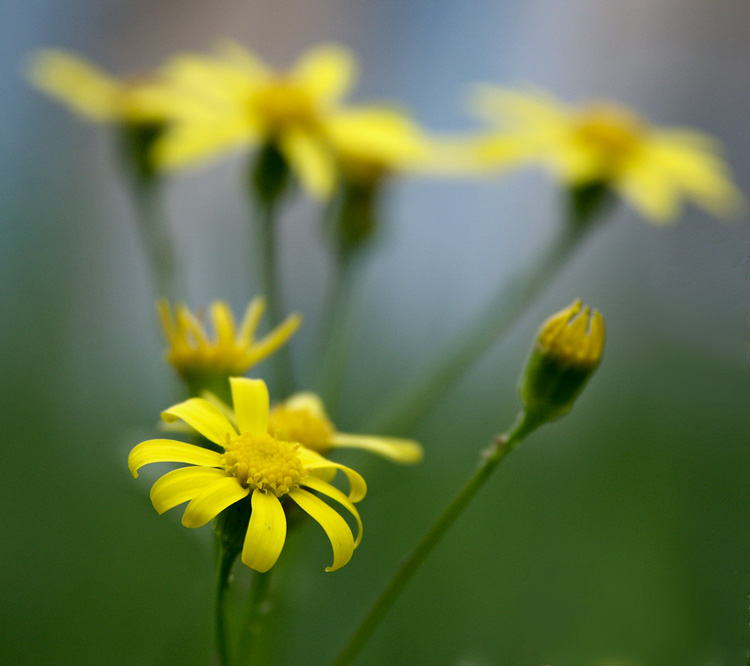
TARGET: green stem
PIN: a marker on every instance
(266, 251)
(337, 326)
(250, 646)
(491, 459)
(226, 559)
(156, 237)
(407, 405)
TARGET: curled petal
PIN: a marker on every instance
(405, 451)
(169, 450)
(250, 320)
(327, 71)
(212, 500)
(204, 417)
(181, 485)
(334, 525)
(334, 493)
(275, 339)
(266, 532)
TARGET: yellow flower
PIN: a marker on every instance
(91, 92)
(567, 351)
(252, 461)
(302, 418)
(233, 100)
(653, 168)
(233, 350)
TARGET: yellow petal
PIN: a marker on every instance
(250, 320)
(189, 142)
(266, 532)
(327, 71)
(405, 451)
(334, 525)
(212, 500)
(334, 493)
(650, 192)
(315, 462)
(275, 339)
(202, 416)
(223, 321)
(381, 136)
(181, 485)
(77, 83)
(532, 108)
(311, 161)
(170, 450)
(250, 398)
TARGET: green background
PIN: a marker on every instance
(616, 537)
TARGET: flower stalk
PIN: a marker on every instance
(415, 398)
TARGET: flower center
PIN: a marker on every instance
(281, 104)
(612, 132)
(264, 462)
(301, 425)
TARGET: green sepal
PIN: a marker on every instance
(270, 176)
(550, 385)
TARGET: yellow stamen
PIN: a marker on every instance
(613, 133)
(282, 104)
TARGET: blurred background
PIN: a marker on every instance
(618, 537)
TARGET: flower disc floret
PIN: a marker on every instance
(312, 430)
(614, 134)
(280, 104)
(263, 462)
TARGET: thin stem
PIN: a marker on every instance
(156, 237)
(226, 559)
(250, 650)
(407, 405)
(269, 277)
(337, 327)
(491, 459)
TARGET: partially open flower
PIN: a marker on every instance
(205, 362)
(271, 468)
(302, 418)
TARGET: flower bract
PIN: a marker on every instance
(252, 462)
(653, 168)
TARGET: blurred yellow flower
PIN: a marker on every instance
(232, 351)
(653, 168)
(91, 92)
(302, 418)
(254, 462)
(233, 100)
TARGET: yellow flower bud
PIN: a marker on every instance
(566, 353)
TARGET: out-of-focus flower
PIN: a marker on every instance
(199, 359)
(567, 351)
(91, 92)
(653, 168)
(254, 462)
(233, 100)
(302, 418)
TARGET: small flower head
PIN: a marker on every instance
(567, 351)
(200, 359)
(653, 168)
(91, 92)
(254, 463)
(302, 419)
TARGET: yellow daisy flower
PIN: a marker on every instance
(234, 100)
(653, 168)
(252, 461)
(233, 350)
(302, 418)
(90, 91)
